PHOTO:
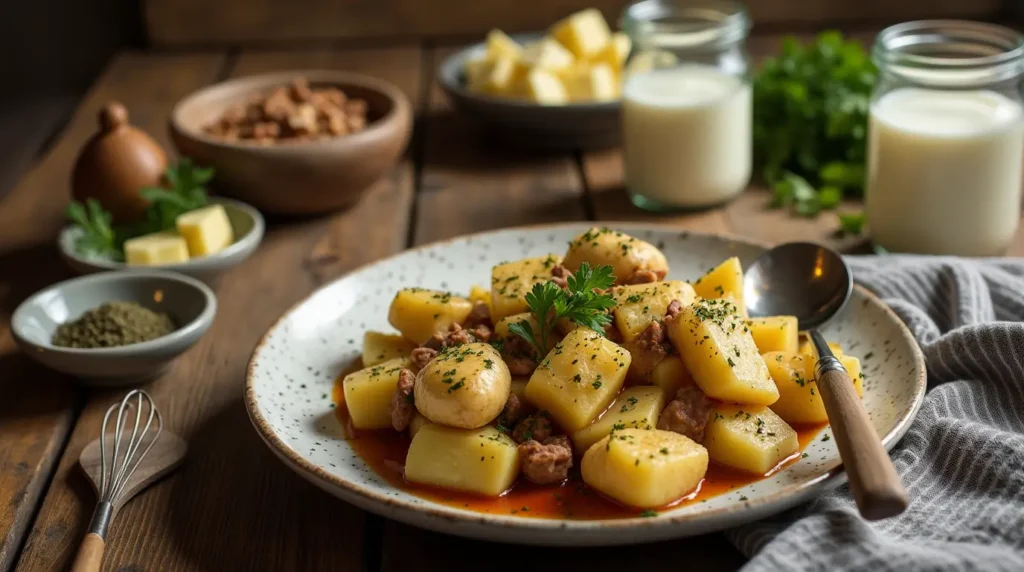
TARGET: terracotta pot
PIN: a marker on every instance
(116, 163)
(296, 177)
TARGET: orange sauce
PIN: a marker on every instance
(385, 451)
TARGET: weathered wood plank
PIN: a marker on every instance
(233, 505)
(38, 408)
(199, 22)
(28, 124)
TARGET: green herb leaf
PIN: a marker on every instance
(97, 237)
(852, 223)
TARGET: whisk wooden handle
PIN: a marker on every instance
(90, 554)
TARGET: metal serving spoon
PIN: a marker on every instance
(813, 283)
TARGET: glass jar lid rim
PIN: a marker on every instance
(896, 44)
(694, 23)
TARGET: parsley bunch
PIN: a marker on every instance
(810, 122)
(578, 303)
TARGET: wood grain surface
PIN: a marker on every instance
(233, 22)
(232, 505)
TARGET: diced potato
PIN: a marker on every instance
(499, 45)
(155, 249)
(596, 82)
(645, 469)
(417, 423)
(749, 438)
(464, 386)
(518, 387)
(478, 70)
(206, 230)
(670, 374)
(614, 53)
(625, 254)
(579, 378)
(722, 281)
(368, 394)
(379, 347)
(483, 461)
(478, 294)
(511, 281)
(544, 87)
(799, 396)
(638, 305)
(548, 55)
(637, 408)
(418, 313)
(775, 333)
(504, 77)
(720, 353)
(807, 348)
(585, 33)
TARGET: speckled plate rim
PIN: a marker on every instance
(571, 532)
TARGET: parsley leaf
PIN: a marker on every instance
(98, 236)
(852, 223)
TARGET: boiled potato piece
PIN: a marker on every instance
(579, 378)
(775, 333)
(645, 469)
(807, 348)
(418, 313)
(511, 281)
(379, 347)
(636, 407)
(478, 294)
(749, 438)
(368, 394)
(417, 423)
(464, 386)
(670, 374)
(625, 254)
(720, 353)
(724, 280)
(799, 397)
(585, 33)
(638, 305)
(483, 461)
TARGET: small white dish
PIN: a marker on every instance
(246, 222)
(292, 371)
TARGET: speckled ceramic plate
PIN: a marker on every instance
(292, 370)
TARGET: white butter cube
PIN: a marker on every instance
(593, 83)
(499, 45)
(502, 78)
(585, 33)
(156, 249)
(615, 52)
(549, 55)
(206, 230)
(545, 87)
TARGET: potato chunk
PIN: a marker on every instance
(775, 333)
(379, 347)
(368, 393)
(807, 348)
(478, 294)
(723, 281)
(483, 461)
(417, 423)
(645, 469)
(511, 281)
(799, 397)
(670, 374)
(749, 438)
(720, 353)
(636, 407)
(638, 305)
(418, 313)
(627, 255)
(579, 378)
(464, 386)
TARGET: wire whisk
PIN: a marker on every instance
(114, 474)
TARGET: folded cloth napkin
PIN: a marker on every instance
(962, 461)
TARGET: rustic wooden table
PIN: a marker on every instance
(233, 506)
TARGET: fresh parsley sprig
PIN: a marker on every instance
(579, 303)
(98, 237)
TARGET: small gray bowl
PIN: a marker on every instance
(190, 303)
(529, 125)
(246, 222)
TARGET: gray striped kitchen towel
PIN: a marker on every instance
(962, 460)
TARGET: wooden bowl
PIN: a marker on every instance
(296, 178)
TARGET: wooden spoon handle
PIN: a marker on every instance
(90, 554)
(876, 486)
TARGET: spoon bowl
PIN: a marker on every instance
(798, 279)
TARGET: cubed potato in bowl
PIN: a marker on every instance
(749, 438)
(418, 313)
(484, 461)
(628, 256)
(635, 408)
(368, 393)
(638, 305)
(379, 347)
(723, 281)
(511, 281)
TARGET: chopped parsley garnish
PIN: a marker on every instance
(648, 513)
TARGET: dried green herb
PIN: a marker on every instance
(113, 324)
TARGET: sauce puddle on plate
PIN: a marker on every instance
(384, 451)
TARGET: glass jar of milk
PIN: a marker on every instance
(946, 138)
(686, 103)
